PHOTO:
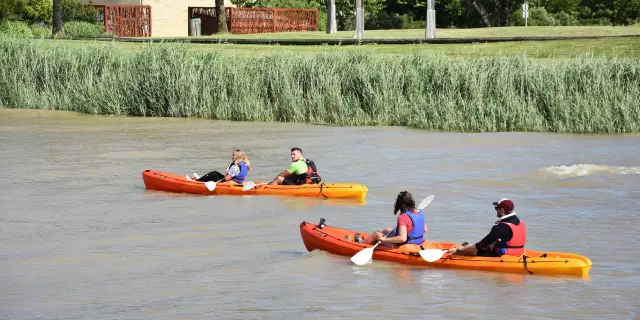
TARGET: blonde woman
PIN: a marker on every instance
(236, 171)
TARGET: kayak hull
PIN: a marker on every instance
(162, 181)
(341, 242)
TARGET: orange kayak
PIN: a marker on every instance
(341, 242)
(156, 180)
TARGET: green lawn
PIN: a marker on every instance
(612, 47)
(451, 33)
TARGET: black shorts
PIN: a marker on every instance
(212, 176)
(486, 253)
(290, 181)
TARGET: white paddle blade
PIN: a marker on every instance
(248, 186)
(431, 255)
(425, 202)
(210, 185)
(362, 257)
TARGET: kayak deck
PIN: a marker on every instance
(341, 242)
(162, 181)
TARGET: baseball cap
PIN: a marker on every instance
(505, 204)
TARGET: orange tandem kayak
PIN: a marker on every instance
(156, 180)
(341, 242)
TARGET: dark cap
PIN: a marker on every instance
(505, 204)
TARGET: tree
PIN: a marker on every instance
(495, 12)
(507, 7)
(58, 28)
(222, 16)
(556, 6)
(38, 11)
(478, 6)
(613, 11)
(9, 9)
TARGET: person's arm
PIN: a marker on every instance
(465, 250)
(484, 244)
(284, 174)
(425, 228)
(489, 239)
(499, 231)
(293, 168)
(400, 238)
(228, 177)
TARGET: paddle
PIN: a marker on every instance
(432, 255)
(211, 185)
(366, 254)
(248, 186)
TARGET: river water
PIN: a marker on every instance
(81, 238)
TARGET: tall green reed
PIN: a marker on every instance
(585, 94)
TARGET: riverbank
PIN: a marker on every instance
(470, 93)
(443, 33)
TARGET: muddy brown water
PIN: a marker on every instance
(81, 238)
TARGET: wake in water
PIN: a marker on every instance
(579, 170)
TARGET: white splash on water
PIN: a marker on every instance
(579, 170)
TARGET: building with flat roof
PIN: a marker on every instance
(169, 18)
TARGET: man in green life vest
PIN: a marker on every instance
(300, 171)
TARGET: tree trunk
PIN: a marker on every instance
(505, 12)
(58, 28)
(331, 17)
(221, 13)
(480, 9)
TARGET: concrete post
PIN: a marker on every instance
(332, 26)
(359, 32)
(430, 30)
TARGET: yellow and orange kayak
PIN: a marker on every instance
(156, 180)
(341, 242)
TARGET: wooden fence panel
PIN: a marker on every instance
(264, 20)
(126, 20)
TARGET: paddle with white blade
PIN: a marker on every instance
(432, 255)
(366, 254)
(211, 185)
(425, 202)
(248, 186)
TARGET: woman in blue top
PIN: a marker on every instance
(236, 171)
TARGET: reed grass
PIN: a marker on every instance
(585, 94)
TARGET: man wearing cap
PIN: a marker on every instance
(507, 237)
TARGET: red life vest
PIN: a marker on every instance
(515, 246)
(311, 175)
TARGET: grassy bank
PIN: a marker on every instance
(423, 90)
(452, 33)
(610, 47)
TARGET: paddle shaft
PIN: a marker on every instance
(211, 185)
(213, 181)
(386, 235)
(426, 202)
(366, 254)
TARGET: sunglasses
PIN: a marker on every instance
(497, 208)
